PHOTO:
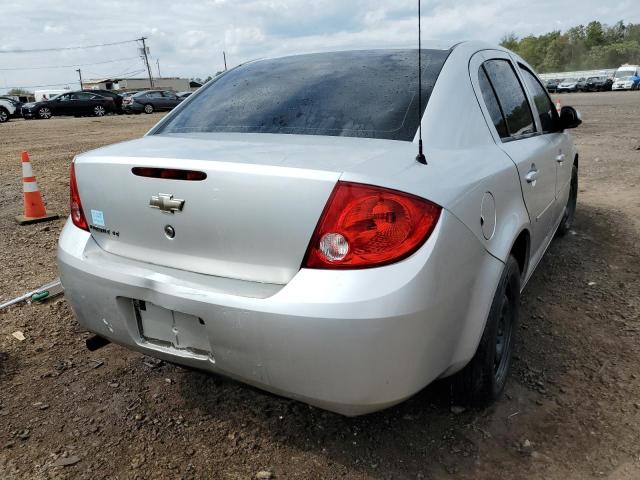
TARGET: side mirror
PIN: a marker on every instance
(569, 118)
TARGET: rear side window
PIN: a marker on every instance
(511, 97)
(544, 105)
(491, 102)
(364, 93)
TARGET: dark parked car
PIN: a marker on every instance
(582, 85)
(598, 84)
(552, 85)
(72, 103)
(117, 99)
(150, 101)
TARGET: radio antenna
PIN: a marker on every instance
(420, 157)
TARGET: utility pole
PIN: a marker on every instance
(224, 56)
(158, 64)
(80, 75)
(146, 60)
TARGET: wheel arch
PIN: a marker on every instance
(520, 249)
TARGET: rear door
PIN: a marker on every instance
(517, 132)
(170, 100)
(156, 99)
(549, 124)
(82, 103)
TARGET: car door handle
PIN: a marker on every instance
(531, 176)
(560, 158)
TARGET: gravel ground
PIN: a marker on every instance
(571, 409)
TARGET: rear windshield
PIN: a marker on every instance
(353, 94)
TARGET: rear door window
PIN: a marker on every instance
(513, 101)
(546, 110)
(491, 102)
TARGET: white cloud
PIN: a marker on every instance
(189, 38)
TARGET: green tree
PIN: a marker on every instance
(595, 46)
(594, 35)
(19, 91)
(510, 41)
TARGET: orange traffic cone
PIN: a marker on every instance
(558, 106)
(34, 210)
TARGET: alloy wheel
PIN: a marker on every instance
(99, 111)
(44, 113)
(148, 109)
(3, 116)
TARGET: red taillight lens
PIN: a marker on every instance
(77, 214)
(366, 226)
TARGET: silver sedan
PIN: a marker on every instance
(277, 227)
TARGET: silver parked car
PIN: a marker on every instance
(277, 228)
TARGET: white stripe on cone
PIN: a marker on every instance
(27, 171)
(30, 186)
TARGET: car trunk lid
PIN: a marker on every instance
(250, 219)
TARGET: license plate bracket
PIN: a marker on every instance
(169, 328)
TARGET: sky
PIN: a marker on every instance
(187, 39)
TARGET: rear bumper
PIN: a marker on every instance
(348, 341)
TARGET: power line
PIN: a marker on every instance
(124, 75)
(39, 86)
(59, 49)
(67, 66)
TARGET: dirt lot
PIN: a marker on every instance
(571, 411)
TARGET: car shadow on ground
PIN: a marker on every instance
(424, 435)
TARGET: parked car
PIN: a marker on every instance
(150, 101)
(598, 84)
(9, 108)
(552, 85)
(630, 82)
(294, 240)
(117, 99)
(73, 103)
(569, 85)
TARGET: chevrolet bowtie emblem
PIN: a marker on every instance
(166, 203)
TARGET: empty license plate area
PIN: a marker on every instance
(168, 328)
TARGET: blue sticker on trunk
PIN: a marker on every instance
(97, 218)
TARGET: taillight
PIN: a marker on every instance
(367, 226)
(77, 214)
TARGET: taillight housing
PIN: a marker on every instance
(77, 214)
(366, 226)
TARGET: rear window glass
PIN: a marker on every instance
(354, 94)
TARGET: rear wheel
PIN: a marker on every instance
(99, 111)
(4, 115)
(483, 380)
(44, 113)
(570, 207)
(148, 108)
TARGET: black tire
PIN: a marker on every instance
(148, 108)
(482, 381)
(570, 208)
(4, 115)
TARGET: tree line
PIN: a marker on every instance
(595, 46)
